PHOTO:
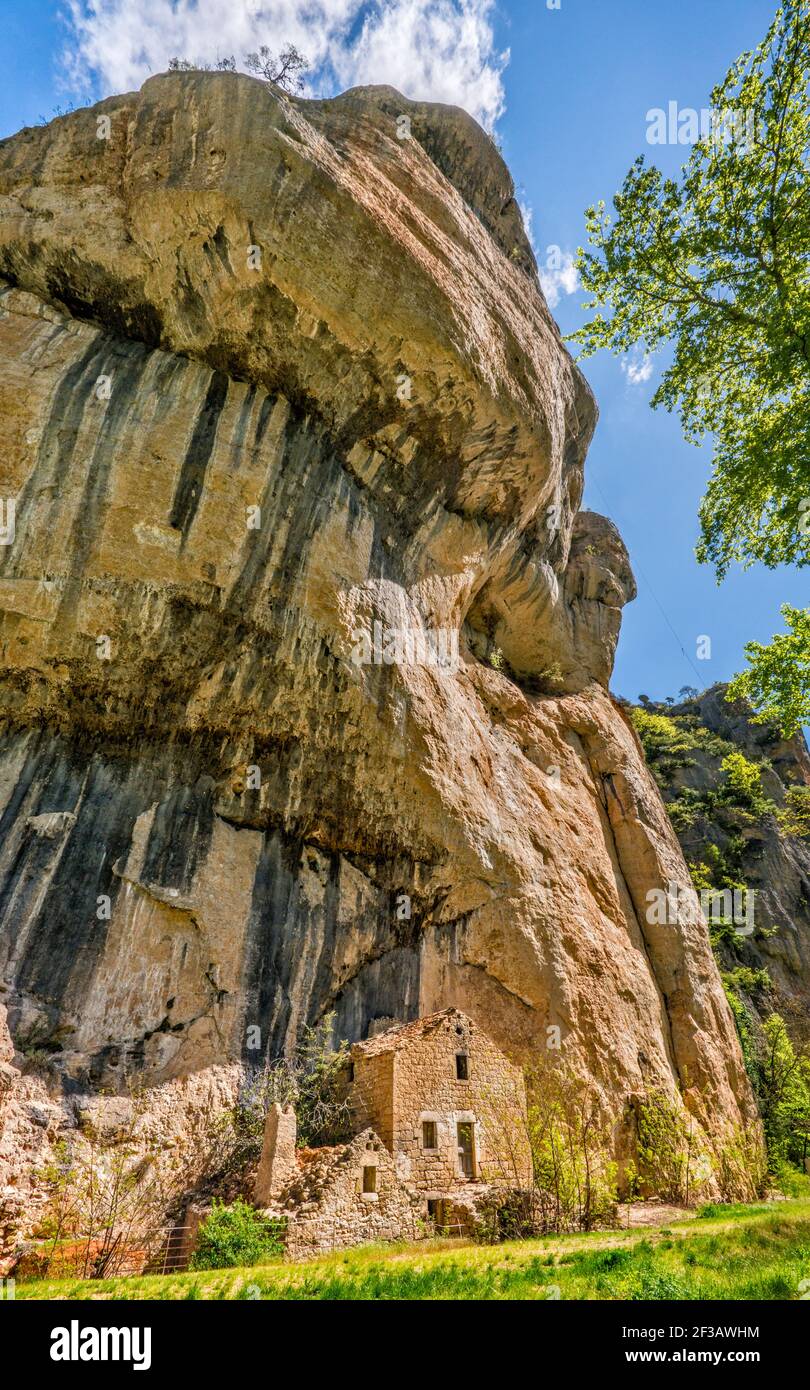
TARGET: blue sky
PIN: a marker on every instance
(576, 90)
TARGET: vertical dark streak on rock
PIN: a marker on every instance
(270, 933)
(67, 941)
(56, 446)
(238, 444)
(180, 836)
(198, 453)
(127, 366)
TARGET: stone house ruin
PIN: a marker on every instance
(340, 1195)
(438, 1111)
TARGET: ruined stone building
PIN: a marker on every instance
(439, 1116)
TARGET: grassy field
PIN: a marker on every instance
(758, 1252)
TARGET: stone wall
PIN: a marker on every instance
(411, 1074)
(372, 1092)
(277, 1164)
(329, 1209)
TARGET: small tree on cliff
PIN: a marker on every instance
(283, 69)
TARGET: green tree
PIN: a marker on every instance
(777, 682)
(794, 817)
(313, 1080)
(784, 1096)
(718, 263)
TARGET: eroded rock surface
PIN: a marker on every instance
(761, 847)
(269, 375)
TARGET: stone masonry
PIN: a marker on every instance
(440, 1113)
(277, 1166)
(347, 1195)
(446, 1101)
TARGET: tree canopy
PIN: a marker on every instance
(718, 262)
(777, 682)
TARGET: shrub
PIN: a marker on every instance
(740, 1166)
(106, 1198)
(794, 817)
(575, 1177)
(556, 1156)
(745, 1024)
(743, 785)
(236, 1235)
(744, 978)
(505, 1215)
(670, 1163)
(313, 1081)
(670, 740)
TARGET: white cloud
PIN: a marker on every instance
(527, 213)
(437, 50)
(637, 368)
(558, 275)
(432, 50)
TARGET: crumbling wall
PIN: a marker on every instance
(328, 1209)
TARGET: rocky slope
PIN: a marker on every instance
(729, 839)
(271, 375)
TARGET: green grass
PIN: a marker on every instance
(759, 1252)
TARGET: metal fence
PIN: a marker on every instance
(109, 1257)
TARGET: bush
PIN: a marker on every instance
(313, 1081)
(670, 1161)
(743, 786)
(575, 1177)
(794, 817)
(506, 1215)
(670, 740)
(236, 1235)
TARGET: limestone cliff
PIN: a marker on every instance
(729, 840)
(271, 375)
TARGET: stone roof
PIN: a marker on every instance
(394, 1039)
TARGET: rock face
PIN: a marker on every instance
(759, 847)
(276, 384)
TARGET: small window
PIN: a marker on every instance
(429, 1134)
(370, 1178)
(350, 1072)
(462, 1066)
